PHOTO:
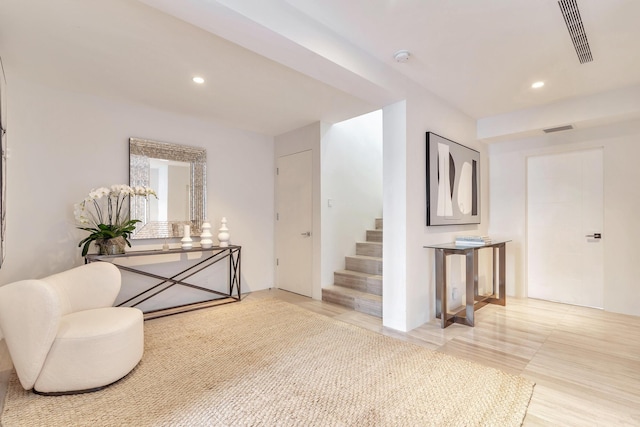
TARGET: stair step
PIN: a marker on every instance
(360, 301)
(363, 264)
(369, 249)
(371, 283)
(378, 223)
(374, 235)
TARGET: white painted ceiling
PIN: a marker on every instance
(275, 65)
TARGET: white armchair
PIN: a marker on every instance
(64, 335)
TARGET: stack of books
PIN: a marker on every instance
(472, 240)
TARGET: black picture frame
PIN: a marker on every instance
(453, 182)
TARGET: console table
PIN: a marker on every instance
(212, 256)
(473, 300)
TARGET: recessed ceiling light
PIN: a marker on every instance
(198, 80)
(537, 85)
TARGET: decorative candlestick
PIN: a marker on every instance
(223, 233)
(187, 242)
(205, 236)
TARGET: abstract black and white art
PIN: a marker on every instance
(453, 182)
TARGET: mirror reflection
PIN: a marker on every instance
(177, 174)
(172, 182)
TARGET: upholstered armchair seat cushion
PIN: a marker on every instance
(92, 348)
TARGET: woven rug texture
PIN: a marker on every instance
(271, 363)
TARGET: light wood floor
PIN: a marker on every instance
(585, 362)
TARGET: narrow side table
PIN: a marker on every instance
(473, 300)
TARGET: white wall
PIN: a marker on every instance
(63, 144)
(394, 235)
(409, 273)
(621, 197)
(352, 181)
(298, 140)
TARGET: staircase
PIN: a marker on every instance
(359, 285)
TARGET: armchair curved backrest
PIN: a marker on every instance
(30, 311)
(93, 285)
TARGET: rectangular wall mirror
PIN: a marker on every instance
(178, 175)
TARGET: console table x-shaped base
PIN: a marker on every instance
(215, 255)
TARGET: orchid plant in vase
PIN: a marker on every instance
(104, 213)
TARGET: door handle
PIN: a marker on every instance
(306, 234)
(594, 235)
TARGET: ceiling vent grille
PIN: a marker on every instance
(573, 20)
(558, 129)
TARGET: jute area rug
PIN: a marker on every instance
(270, 363)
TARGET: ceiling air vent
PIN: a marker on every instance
(573, 20)
(558, 129)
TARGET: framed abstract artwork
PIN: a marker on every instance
(453, 182)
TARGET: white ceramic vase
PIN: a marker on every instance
(205, 236)
(223, 234)
(187, 242)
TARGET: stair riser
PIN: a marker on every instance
(365, 284)
(371, 266)
(378, 223)
(368, 307)
(369, 249)
(373, 308)
(374, 235)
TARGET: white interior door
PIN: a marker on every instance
(294, 210)
(564, 208)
